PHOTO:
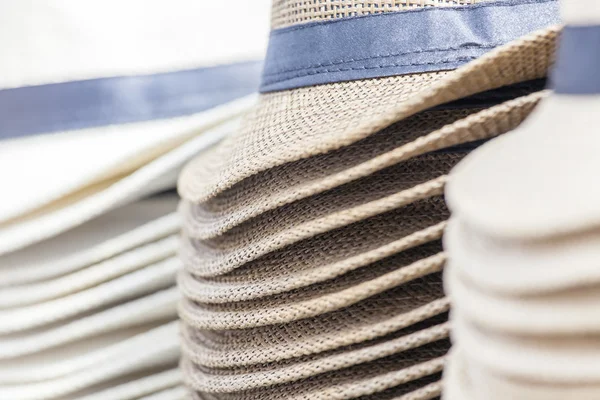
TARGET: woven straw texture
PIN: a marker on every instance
(338, 293)
(292, 125)
(287, 12)
(312, 238)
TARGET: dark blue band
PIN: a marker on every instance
(107, 101)
(420, 40)
(577, 69)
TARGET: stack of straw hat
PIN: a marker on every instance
(311, 237)
(523, 242)
(101, 105)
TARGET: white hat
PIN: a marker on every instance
(99, 101)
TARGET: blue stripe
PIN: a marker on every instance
(577, 69)
(420, 40)
(118, 100)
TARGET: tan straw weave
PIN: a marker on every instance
(338, 331)
(286, 12)
(312, 237)
(415, 286)
(400, 143)
(292, 125)
(360, 380)
(248, 378)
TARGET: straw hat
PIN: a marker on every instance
(299, 121)
(113, 113)
(311, 238)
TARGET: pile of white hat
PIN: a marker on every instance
(101, 105)
(524, 242)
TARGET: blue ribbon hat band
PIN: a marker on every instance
(396, 43)
(577, 69)
(118, 100)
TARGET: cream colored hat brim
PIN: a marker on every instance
(535, 182)
(146, 280)
(136, 259)
(89, 157)
(555, 360)
(513, 267)
(143, 388)
(68, 213)
(161, 348)
(561, 313)
(466, 380)
(159, 306)
(100, 239)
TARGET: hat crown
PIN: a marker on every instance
(50, 41)
(292, 12)
(581, 12)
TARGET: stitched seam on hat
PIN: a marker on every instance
(472, 8)
(376, 56)
(459, 59)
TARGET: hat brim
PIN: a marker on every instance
(102, 238)
(360, 380)
(403, 143)
(161, 349)
(159, 384)
(80, 207)
(152, 278)
(291, 125)
(133, 260)
(525, 268)
(84, 158)
(527, 315)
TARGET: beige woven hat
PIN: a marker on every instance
(292, 125)
(311, 246)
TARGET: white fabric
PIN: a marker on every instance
(122, 264)
(580, 12)
(562, 360)
(177, 393)
(45, 41)
(98, 240)
(568, 312)
(78, 356)
(158, 306)
(160, 347)
(44, 169)
(524, 268)
(58, 218)
(538, 180)
(152, 385)
(146, 280)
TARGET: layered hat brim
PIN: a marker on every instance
(292, 125)
(124, 229)
(69, 212)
